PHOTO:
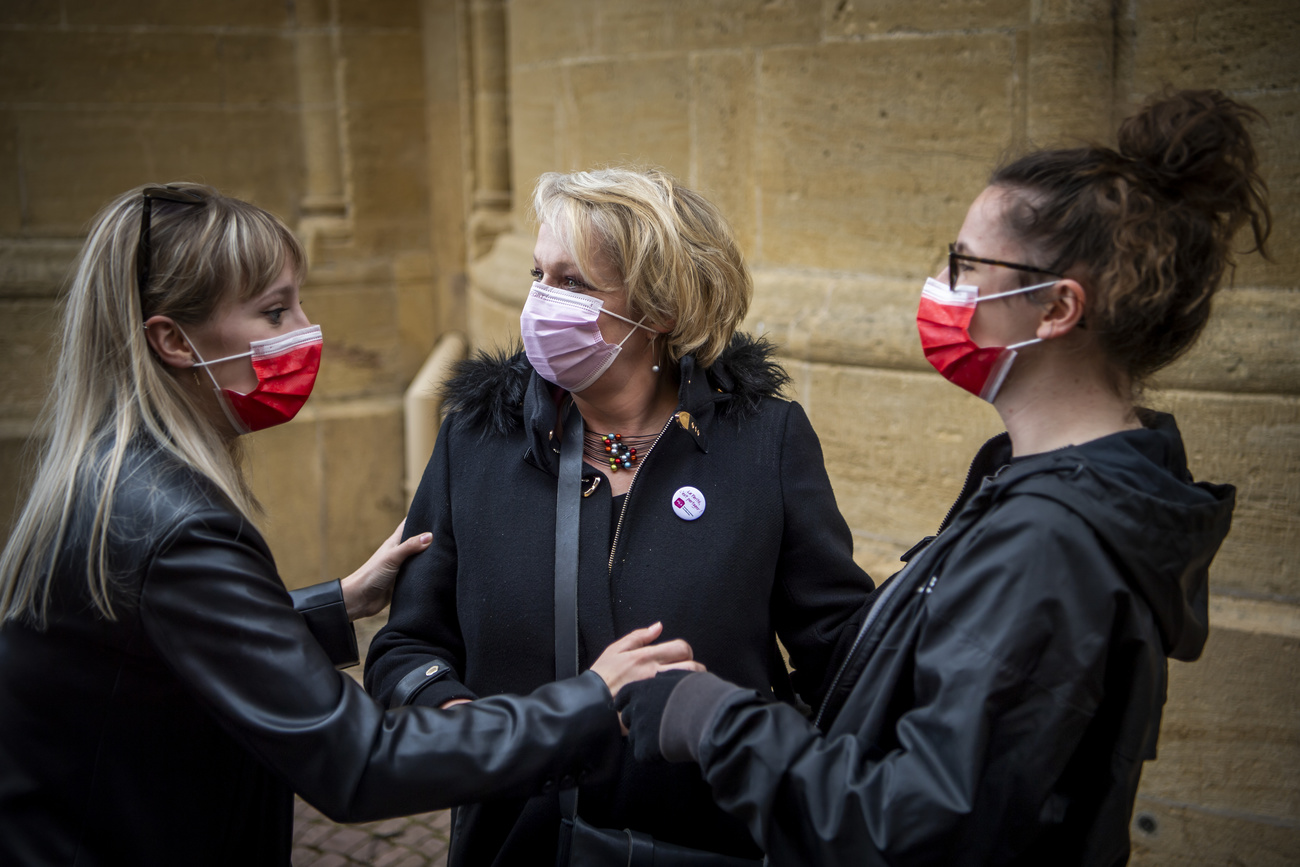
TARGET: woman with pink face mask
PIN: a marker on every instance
(994, 701)
(162, 696)
(697, 498)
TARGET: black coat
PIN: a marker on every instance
(997, 698)
(177, 733)
(770, 552)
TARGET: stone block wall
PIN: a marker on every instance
(315, 110)
(843, 138)
(845, 142)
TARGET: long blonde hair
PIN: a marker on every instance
(109, 388)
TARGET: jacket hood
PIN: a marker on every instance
(1135, 491)
(489, 390)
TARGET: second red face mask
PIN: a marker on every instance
(286, 368)
(943, 320)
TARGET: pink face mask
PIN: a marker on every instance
(562, 337)
(944, 318)
(286, 368)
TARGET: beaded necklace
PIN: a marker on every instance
(618, 451)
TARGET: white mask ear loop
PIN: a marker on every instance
(1022, 344)
(629, 322)
(201, 363)
(1016, 291)
(216, 387)
(630, 333)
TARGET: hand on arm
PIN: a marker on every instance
(368, 590)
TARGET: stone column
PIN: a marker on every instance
(324, 204)
(449, 121)
(490, 70)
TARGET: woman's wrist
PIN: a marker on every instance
(354, 598)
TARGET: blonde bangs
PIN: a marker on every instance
(675, 254)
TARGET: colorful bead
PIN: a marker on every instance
(621, 456)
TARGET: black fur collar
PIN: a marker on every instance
(488, 389)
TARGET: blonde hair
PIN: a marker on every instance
(110, 389)
(674, 251)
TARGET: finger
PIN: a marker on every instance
(416, 544)
(638, 637)
(687, 665)
(670, 651)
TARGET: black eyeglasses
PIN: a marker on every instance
(144, 250)
(953, 256)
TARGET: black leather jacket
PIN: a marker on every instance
(178, 732)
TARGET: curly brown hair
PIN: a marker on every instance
(1147, 227)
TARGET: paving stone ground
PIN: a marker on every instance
(410, 841)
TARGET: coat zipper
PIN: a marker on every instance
(959, 502)
(627, 499)
(872, 616)
(885, 594)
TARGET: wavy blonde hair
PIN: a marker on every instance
(110, 389)
(674, 251)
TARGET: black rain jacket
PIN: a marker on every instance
(178, 733)
(769, 553)
(996, 699)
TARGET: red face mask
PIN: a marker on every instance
(286, 368)
(943, 320)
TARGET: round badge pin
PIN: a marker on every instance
(688, 503)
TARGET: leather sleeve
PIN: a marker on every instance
(819, 586)
(1006, 676)
(215, 609)
(422, 629)
(321, 605)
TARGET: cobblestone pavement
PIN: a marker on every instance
(411, 841)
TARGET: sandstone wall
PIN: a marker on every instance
(844, 138)
(845, 141)
(315, 110)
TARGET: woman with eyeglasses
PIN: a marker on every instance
(162, 696)
(996, 698)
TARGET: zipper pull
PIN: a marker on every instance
(916, 549)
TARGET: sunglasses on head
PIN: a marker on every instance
(144, 250)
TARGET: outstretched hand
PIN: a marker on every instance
(641, 711)
(633, 657)
(367, 590)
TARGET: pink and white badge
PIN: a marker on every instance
(688, 503)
